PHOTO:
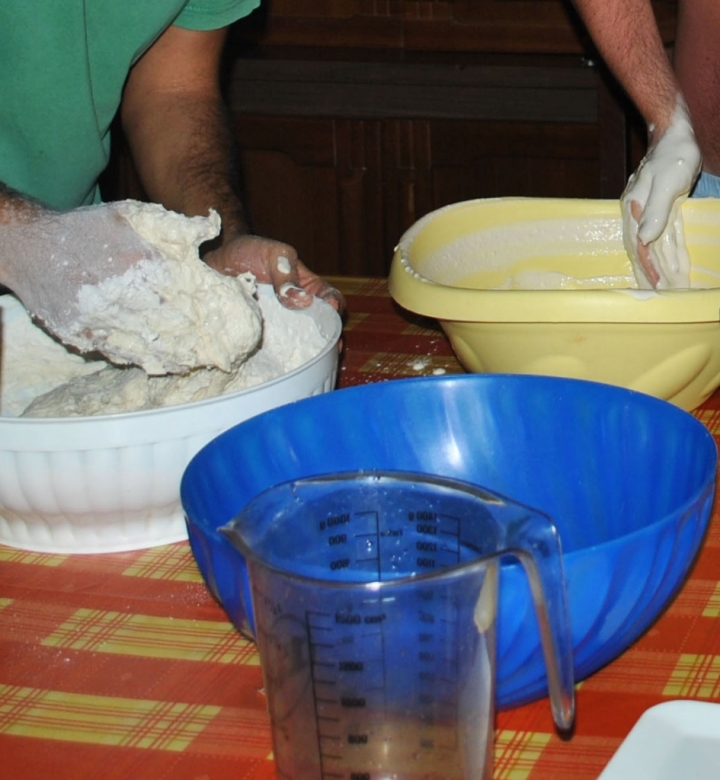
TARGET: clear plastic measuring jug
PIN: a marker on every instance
(374, 597)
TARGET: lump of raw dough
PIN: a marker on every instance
(32, 363)
(113, 390)
(176, 315)
(290, 339)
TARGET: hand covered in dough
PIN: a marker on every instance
(126, 279)
(651, 206)
(276, 263)
(50, 258)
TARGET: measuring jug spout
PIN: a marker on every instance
(375, 598)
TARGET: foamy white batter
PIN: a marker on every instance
(503, 246)
(521, 256)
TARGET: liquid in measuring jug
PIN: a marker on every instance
(375, 599)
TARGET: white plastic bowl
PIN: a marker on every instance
(111, 483)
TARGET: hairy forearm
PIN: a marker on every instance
(627, 36)
(176, 124)
(184, 153)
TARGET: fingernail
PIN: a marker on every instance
(283, 265)
(289, 287)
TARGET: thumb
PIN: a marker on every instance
(655, 216)
(286, 282)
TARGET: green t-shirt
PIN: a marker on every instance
(63, 66)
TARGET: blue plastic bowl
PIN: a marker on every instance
(628, 479)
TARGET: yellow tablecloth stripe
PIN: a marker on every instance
(11, 555)
(31, 712)
(171, 562)
(712, 609)
(516, 753)
(696, 677)
(153, 637)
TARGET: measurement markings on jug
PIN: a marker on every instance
(349, 684)
(367, 538)
(335, 520)
(353, 538)
(351, 666)
(437, 539)
(436, 668)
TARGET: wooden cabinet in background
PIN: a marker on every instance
(340, 158)
(343, 190)
(421, 26)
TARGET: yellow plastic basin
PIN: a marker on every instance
(544, 286)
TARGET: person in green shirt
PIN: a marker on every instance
(66, 70)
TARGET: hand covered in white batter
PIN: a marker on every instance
(652, 202)
(126, 279)
(50, 258)
(276, 263)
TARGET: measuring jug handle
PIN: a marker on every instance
(537, 546)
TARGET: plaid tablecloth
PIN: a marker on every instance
(123, 667)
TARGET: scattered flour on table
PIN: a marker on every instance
(423, 363)
(420, 363)
(40, 378)
(173, 314)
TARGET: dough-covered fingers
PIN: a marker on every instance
(646, 273)
(56, 254)
(126, 279)
(652, 203)
(286, 280)
(669, 253)
(274, 262)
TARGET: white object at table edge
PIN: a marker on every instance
(675, 740)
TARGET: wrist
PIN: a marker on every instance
(16, 208)
(229, 233)
(674, 120)
(233, 224)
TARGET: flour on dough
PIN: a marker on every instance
(32, 363)
(40, 378)
(174, 315)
